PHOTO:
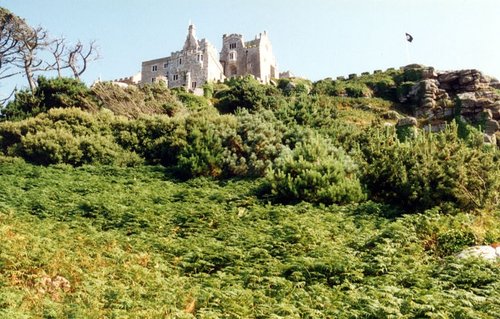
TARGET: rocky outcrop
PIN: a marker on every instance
(491, 252)
(439, 96)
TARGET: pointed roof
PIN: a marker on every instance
(191, 42)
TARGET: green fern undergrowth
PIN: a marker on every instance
(138, 243)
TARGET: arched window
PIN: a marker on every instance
(232, 56)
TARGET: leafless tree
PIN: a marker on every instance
(8, 44)
(21, 44)
(30, 42)
(80, 55)
(58, 50)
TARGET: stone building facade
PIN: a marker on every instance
(198, 62)
(190, 67)
(253, 57)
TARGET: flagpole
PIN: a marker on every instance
(408, 58)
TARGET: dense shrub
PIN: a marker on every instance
(245, 92)
(193, 102)
(294, 86)
(69, 136)
(203, 151)
(349, 88)
(430, 170)
(134, 102)
(157, 139)
(316, 111)
(315, 171)
(328, 87)
(50, 93)
(257, 141)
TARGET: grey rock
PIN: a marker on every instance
(407, 121)
(491, 126)
(484, 252)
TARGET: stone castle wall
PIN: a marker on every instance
(191, 67)
(199, 62)
(254, 57)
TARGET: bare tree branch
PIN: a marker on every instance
(30, 41)
(21, 44)
(5, 100)
(8, 43)
(58, 50)
(79, 56)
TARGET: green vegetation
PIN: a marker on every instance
(293, 200)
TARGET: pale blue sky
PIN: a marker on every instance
(312, 38)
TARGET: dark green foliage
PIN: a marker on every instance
(294, 86)
(315, 171)
(158, 139)
(193, 102)
(50, 93)
(381, 85)
(312, 111)
(69, 136)
(245, 92)
(132, 242)
(186, 239)
(430, 170)
(329, 87)
(203, 151)
(258, 140)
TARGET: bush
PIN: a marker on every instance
(246, 93)
(134, 102)
(50, 93)
(431, 169)
(315, 111)
(295, 86)
(192, 102)
(69, 136)
(157, 139)
(203, 151)
(315, 171)
(257, 142)
(329, 87)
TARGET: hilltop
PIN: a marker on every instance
(345, 198)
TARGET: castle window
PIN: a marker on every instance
(154, 68)
(193, 85)
(180, 61)
(175, 77)
(200, 57)
(165, 65)
(232, 46)
(232, 56)
(152, 80)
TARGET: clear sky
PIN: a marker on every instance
(312, 38)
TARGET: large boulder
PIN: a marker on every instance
(407, 121)
(485, 252)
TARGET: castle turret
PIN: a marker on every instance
(191, 42)
(253, 57)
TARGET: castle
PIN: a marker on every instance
(198, 62)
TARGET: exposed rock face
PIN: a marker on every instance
(466, 93)
(484, 252)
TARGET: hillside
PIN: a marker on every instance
(347, 198)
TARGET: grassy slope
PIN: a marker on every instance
(134, 243)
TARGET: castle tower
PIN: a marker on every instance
(254, 57)
(191, 43)
(190, 67)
